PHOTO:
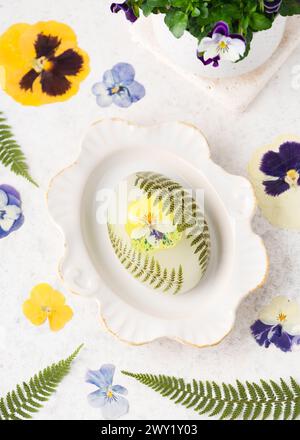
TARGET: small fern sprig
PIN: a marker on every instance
(266, 399)
(28, 398)
(11, 154)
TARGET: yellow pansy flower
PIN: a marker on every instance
(41, 63)
(46, 303)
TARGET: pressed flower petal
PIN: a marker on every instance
(119, 389)
(123, 73)
(165, 228)
(34, 312)
(3, 199)
(59, 317)
(41, 294)
(108, 372)
(104, 100)
(140, 232)
(12, 212)
(273, 165)
(68, 63)
(260, 331)
(205, 43)
(115, 407)
(6, 223)
(122, 98)
(289, 153)
(28, 79)
(221, 28)
(275, 187)
(96, 377)
(109, 80)
(281, 339)
(136, 91)
(97, 399)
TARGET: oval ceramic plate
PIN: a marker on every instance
(111, 151)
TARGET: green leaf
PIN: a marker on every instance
(11, 154)
(267, 399)
(29, 397)
(177, 22)
(259, 22)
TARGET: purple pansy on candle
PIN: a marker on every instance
(278, 324)
(282, 167)
(220, 45)
(118, 86)
(272, 6)
(129, 13)
(11, 217)
(108, 397)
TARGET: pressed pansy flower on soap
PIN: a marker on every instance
(11, 217)
(220, 45)
(283, 167)
(118, 86)
(278, 324)
(44, 304)
(108, 397)
(42, 62)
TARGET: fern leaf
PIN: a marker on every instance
(268, 399)
(29, 397)
(11, 155)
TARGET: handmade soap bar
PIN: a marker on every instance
(159, 232)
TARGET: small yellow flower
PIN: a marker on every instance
(46, 303)
(41, 63)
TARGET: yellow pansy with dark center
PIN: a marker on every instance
(42, 62)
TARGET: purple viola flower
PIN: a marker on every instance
(284, 166)
(272, 6)
(11, 217)
(220, 45)
(108, 397)
(278, 324)
(129, 13)
(118, 86)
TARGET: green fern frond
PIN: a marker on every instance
(11, 155)
(145, 268)
(28, 398)
(266, 399)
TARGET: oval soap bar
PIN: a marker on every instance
(159, 232)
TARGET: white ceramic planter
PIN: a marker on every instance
(182, 51)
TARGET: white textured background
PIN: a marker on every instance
(50, 138)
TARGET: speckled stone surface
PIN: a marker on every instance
(50, 137)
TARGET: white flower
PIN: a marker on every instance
(282, 311)
(8, 213)
(222, 46)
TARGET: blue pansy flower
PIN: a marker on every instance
(284, 166)
(11, 217)
(128, 10)
(108, 397)
(278, 324)
(118, 86)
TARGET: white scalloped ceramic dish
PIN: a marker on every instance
(114, 149)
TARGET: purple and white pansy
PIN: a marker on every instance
(11, 217)
(129, 13)
(282, 167)
(118, 86)
(278, 324)
(220, 45)
(108, 397)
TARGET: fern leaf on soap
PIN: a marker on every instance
(28, 398)
(187, 215)
(145, 268)
(262, 400)
(11, 155)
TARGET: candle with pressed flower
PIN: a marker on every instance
(161, 237)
